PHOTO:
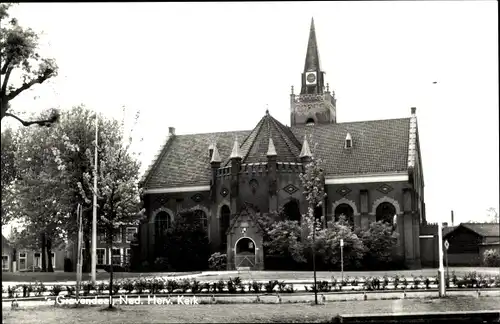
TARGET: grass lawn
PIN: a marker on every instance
(224, 275)
(241, 313)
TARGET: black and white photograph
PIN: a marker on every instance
(250, 162)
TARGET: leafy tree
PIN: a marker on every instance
(8, 171)
(185, 244)
(380, 241)
(327, 245)
(313, 182)
(284, 240)
(492, 215)
(19, 56)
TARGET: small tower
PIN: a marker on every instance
(313, 104)
(272, 175)
(305, 154)
(235, 171)
(215, 163)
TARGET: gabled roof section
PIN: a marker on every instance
(184, 160)
(483, 229)
(377, 146)
(256, 145)
(5, 243)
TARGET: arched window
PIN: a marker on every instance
(225, 215)
(310, 121)
(292, 210)
(346, 210)
(162, 224)
(200, 216)
(385, 212)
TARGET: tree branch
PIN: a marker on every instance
(29, 84)
(6, 80)
(5, 66)
(46, 122)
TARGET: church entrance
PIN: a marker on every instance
(245, 257)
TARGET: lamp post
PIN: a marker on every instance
(342, 260)
(446, 246)
(94, 214)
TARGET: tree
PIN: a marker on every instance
(313, 182)
(118, 185)
(284, 240)
(327, 245)
(379, 240)
(19, 56)
(8, 171)
(492, 215)
(185, 244)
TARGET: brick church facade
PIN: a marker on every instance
(373, 172)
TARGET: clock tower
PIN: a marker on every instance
(315, 104)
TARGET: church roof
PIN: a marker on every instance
(377, 146)
(312, 56)
(255, 146)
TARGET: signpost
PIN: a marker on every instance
(446, 246)
(342, 260)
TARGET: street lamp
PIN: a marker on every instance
(441, 267)
(94, 214)
(342, 260)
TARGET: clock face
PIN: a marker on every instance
(311, 78)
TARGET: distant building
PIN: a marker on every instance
(373, 172)
(21, 259)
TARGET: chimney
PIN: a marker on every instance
(452, 219)
(413, 111)
(445, 224)
(171, 131)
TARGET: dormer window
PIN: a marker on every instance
(310, 122)
(348, 141)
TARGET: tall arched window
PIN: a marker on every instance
(162, 224)
(200, 216)
(385, 212)
(347, 211)
(225, 214)
(292, 210)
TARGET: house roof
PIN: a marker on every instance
(482, 229)
(377, 146)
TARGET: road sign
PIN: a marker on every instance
(446, 244)
(341, 242)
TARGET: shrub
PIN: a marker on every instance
(156, 285)
(161, 264)
(491, 258)
(323, 286)
(140, 285)
(379, 241)
(195, 286)
(396, 281)
(116, 287)
(231, 286)
(256, 286)
(205, 286)
(11, 290)
(128, 286)
(185, 285)
(40, 289)
(70, 290)
(87, 287)
(427, 282)
(385, 282)
(56, 289)
(334, 283)
(217, 261)
(220, 285)
(270, 285)
(281, 287)
(100, 288)
(416, 282)
(172, 285)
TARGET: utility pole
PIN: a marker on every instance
(342, 260)
(94, 214)
(441, 266)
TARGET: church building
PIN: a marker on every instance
(373, 172)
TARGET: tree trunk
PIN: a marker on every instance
(86, 256)
(43, 254)
(50, 268)
(110, 248)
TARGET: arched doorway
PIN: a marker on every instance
(292, 210)
(345, 210)
(224, 221)
(162, 224)
(318, 213)
(245, 253)
(385, 212)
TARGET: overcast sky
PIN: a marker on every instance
(206, 67)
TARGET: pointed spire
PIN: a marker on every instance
(271, 150)
(235, 153)
(215, 155)
(312, 56)
(306, 151)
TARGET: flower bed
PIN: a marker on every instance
(237, 286)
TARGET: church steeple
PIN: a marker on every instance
(312, 55)
(314, 104)
(312, 78)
